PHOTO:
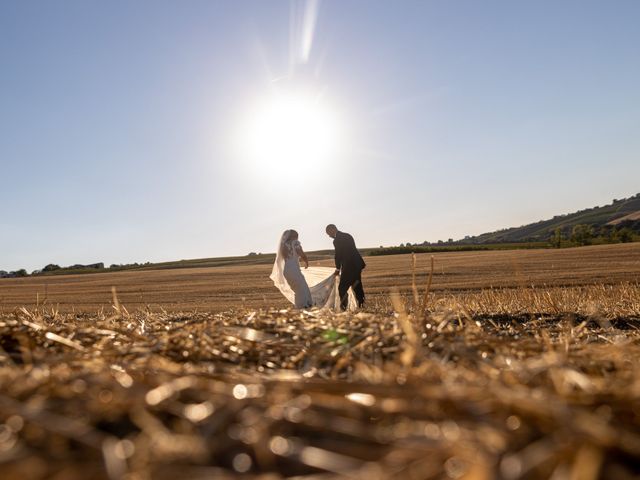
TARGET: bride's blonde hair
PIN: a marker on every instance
(287, 236)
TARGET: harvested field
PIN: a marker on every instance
(221, 288)
(438, 393)
(533, 378)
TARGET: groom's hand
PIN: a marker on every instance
(337, 272)
(306, 264)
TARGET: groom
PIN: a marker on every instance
(349, 264)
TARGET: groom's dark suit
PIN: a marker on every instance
(350, 263)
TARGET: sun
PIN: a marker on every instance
(291, 133)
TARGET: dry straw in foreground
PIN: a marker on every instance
(498, 384)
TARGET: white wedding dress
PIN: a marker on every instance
(311, 287)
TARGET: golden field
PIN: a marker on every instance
(222, 288)
(511, 365)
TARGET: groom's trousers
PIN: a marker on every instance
(350, 279)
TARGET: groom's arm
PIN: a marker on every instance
(338, 254)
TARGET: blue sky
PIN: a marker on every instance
(120, 122)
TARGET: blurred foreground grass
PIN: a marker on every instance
(511, 383)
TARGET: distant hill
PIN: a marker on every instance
(618, 214)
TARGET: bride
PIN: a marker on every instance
(316, 287)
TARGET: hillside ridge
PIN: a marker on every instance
(619, 214)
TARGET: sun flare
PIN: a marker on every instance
(291, 133)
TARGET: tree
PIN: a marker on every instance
(624, 235)
(556, 239)
(582, 234)
(51, 267)
(20, 273)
